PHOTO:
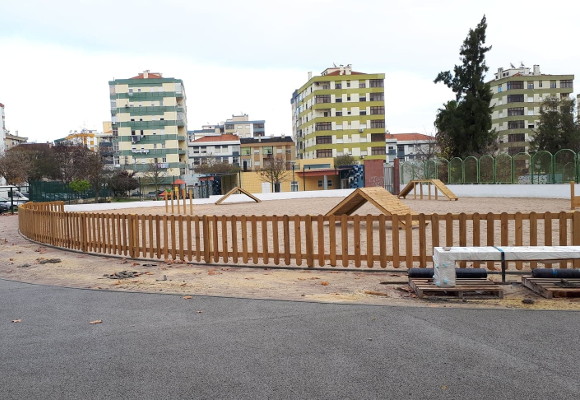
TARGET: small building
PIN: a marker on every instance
(410, 146)
(256, 152)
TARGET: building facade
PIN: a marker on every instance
(239, 125)
(149, 124)
(86, 138)
(518, 94)
(215, 149)
(257, 152)
(340, 112)
(410, 146)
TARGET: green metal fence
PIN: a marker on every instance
(523, 168)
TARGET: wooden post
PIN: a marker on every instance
(191, 201)
(165, 196)
(177, 199)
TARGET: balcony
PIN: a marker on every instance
(140, 151)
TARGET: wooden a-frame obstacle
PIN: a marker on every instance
(377, 196)
(438, 186)
(238, 190)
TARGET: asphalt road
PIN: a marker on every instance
(151, 346)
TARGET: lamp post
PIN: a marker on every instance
(294, 184)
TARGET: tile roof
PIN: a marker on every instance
(221, 138)
(151, 75)
(409, 136)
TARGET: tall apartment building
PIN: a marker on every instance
(149, 124)
(340, 112)
(3, 131)
(518, 94)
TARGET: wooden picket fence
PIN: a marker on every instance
(315, 241)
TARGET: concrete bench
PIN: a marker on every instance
(450, 255)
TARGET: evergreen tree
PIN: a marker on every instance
(464, 124)
(557, 128)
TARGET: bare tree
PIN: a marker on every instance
(274, 171)
(154, 176)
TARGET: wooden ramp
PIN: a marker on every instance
(377, 196)
(438, 186)
(238, 190)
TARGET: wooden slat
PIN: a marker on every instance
(370, 244)
(297, 239)
(332, 240)
(344, 239)
(320, 240)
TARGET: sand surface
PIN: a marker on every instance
(26, 261)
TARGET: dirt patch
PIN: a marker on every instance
(22, 260)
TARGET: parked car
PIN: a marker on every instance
(5, 205)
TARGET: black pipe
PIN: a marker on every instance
(555, 273)
(463, 273)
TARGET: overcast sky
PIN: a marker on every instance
(56, 57)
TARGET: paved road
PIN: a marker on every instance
(164, 347)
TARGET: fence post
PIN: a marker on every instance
(132, 235)
(576, 235)
(84, 233)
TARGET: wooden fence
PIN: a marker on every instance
(315, 241)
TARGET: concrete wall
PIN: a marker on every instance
(374, 173)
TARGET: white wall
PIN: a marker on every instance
(556, 191)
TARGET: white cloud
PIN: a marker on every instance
(58, 56)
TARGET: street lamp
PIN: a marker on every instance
(294, 184)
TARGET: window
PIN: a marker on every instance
(362, 84)
(338, 85)
(515, 111)
(326, 153)
(566, 84)
(530, 85)
(339, 114)
(323, 126)
(318, 100)
(552, 84)
(347, 98)
(323, 139)
(377, 123)
(539, 83)
(515, 150)
(376, 83)
(378, 151)
(516, 137)
(348, 84)
(362, 112)
(377, 137)
(363, 98)
(376, 97)
(515, 98)
(328, 183)
(516, 124)
(499, 89)
(338, 100)
(377, 110)
(267, 150)
(514, 85)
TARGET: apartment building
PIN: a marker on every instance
(340, 112)
(215, 148)
(86, 137)
(257, 152)
(239, 125)
(518, 94)
(410, 146)
(149, 123)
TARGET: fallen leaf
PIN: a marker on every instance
(97, 321)
(372, 292)
(16, 321)
(187, 297)
(324, 283)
